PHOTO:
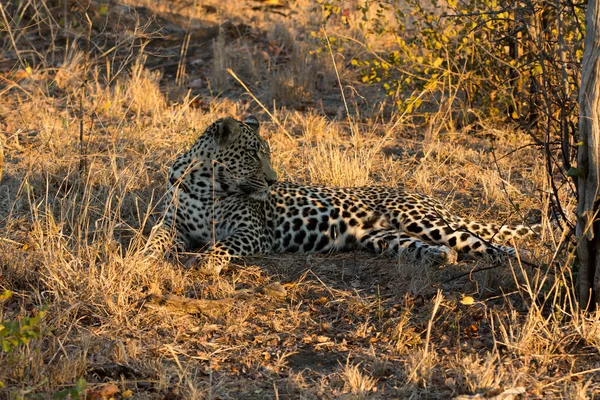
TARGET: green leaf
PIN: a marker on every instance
(579, 172)
(81, 385)
(61, 394)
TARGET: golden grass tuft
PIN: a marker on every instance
(356, 381)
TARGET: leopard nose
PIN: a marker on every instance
(270, 176)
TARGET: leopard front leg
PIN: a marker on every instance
(221, 253)
(162, 242)
(398, 243)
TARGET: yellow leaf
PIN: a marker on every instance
(467, 301)
(6, 295)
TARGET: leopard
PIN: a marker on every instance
(224, 201)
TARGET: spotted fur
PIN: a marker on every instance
(223, 197)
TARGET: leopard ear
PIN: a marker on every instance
(228, 131)
(252, 122)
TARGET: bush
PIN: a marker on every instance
(517, 60)
(18, 332)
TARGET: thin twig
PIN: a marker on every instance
(337, 74)
(274, 118)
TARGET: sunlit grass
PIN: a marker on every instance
(86, 156)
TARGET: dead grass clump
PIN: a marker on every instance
(293, 76)
(483, 374)
(579, 390)
(144, 92)
(330, 165)
(529, 335)
(290, 89)
(422, 363)
(238, 57)
(316, 128)
(422, 367)
(403, 335)
(220, 79)
(71, 72)
(588, 327)
(281, 36)
(357, 381)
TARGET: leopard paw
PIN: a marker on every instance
(444, 255)
(207, 264)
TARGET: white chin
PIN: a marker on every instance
(259, 195)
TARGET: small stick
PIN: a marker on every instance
(274, 118)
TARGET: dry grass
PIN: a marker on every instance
(87, 145)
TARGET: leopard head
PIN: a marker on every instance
(240, 157)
